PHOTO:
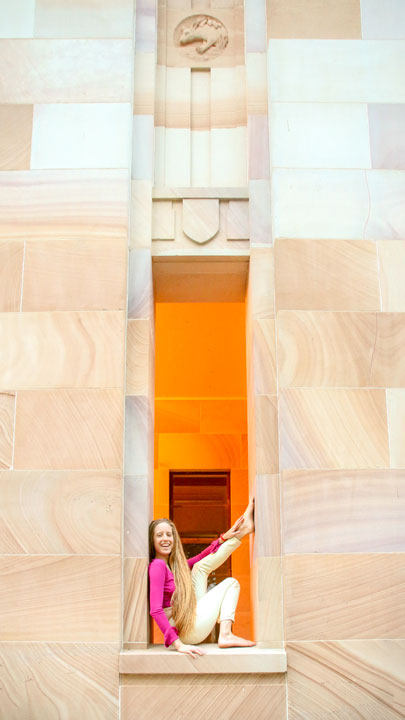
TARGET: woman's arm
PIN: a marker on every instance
(207, 551)
(234, 530)
(157, 575)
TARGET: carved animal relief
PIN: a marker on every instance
(201, 37)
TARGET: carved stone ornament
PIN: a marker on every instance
(201, 37)
(200, 219)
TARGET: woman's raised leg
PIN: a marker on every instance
(211, 562)
(226, 637)
(220, 601)
(201, 570)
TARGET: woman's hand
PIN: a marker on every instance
(192, 650)
(234, 530)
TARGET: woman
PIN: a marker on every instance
(179, 602)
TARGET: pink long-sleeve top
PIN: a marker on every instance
(162, 587)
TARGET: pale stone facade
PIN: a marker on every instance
(202, 150)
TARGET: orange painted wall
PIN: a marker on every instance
(201, 411)
(200, 350)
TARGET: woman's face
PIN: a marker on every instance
(163, 541)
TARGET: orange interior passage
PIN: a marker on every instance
(200, 350)
(200, 409)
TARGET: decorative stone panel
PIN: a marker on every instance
(180, 224)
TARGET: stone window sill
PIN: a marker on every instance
(159, 660)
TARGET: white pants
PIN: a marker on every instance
(219, 602)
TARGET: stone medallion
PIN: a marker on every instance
(201, 37)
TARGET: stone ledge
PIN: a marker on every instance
(178, 193)
(159, 660)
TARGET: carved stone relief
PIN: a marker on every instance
(201, 37)
(218, 224)
(201, 40)
(200, 219)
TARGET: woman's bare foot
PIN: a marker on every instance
(248, 525)
(248, 516)
(230, 640)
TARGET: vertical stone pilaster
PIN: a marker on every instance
(139, 406)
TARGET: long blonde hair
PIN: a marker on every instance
(184, 602)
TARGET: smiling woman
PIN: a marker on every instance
(179, 601)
